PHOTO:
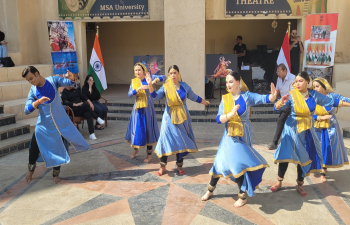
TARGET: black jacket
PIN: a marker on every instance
(72, 96)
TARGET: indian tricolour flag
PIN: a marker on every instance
(97, 67)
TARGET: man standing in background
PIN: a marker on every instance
(284, 85)
(240, 49)
(296, 47)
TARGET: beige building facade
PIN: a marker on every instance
(184, 31)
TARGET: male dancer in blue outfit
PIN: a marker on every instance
(54, 129)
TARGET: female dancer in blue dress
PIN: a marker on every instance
(299, 143)
(327, 128)
(143, 128)
(53, 129)
(176, 135)
(235, 158)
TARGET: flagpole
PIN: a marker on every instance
(289, 23)
(97, 30)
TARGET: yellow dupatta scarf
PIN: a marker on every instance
(321, 111)
(234, 125)
(302, 111)
(177, 110)
(141, 96)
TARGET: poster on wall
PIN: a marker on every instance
(62, 46)
(102, 8)
(320, 40)
(219, 65)
(153, 63)
(276, 7)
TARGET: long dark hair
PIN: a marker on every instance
(174, 67)
(235, 75)
(86, 85)
(304, 75)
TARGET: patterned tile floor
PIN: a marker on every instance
(104, 186)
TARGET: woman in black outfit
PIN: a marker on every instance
(90, 91)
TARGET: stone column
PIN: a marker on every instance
(80, 42)
(184, 33)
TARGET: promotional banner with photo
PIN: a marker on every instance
(275, 7)
(219, 65)
(62, 45)
(102, 8)
(153, 63)
(320, 41)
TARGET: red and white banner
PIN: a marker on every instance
(284, 55)
(320, 40)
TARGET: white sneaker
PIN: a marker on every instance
(100, 121)
(92, 136)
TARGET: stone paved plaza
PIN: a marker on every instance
(103, 186)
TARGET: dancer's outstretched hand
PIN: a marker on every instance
(235, 108)
(43, 99)
(70, 76)
(273, 94)
(148, 78)
(325, 117)
(285, 99)
(144, 87)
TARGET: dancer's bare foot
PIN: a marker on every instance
(323, 179)
(240, 203)
(56, 180)
(28, 176)
(207, 196)
(161, 171)
(149, 158)
(180, 170)
(134, 154)
(276, 186)
(301, 191)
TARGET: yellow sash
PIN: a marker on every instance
(141, 96)
(234, 126)
(302, 111)
(177, 110)
(321, 111)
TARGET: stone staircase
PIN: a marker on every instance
(121, 110)
(15, 126)
(13, 136)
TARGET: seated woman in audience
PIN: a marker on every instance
(90, 91)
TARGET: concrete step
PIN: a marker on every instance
(209, 118)
(14, 90)
(346, 132)
(15, 144)
(17, 107)
(31, 122)
(8, 74)
(7, 119)
(13, 130)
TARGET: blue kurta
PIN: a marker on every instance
(53, 122)
(143, 128)
(333, 150)
(176, 138)
(302, 148)
(235, 156)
